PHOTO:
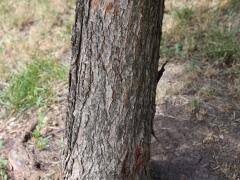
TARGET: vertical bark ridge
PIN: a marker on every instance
(74, 77)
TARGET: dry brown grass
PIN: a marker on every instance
(29, 28)
(200, 87)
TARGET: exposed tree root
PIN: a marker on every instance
(22, 163)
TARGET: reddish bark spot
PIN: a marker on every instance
(138, 152)
(113, 95)
(108, 7)
(126, 98)
(125, 168)
(116, 7)
(95, 4)
(138, 159)
(112, 6)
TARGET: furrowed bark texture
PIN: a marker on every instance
(114, 66)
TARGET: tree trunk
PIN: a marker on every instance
(114, 66)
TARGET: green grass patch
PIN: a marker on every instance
(40, 142)
(30, 27)
(3, 164)
(233, 6)
(184, 14)
(3, 169)
(33, 86)
(207, 40)
(195, 105)
(203, 36)
(221, 46)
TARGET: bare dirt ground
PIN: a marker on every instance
(25, 159)
(196, 144)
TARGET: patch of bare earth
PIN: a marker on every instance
(198, 141)
(26, 160)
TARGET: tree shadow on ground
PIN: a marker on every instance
(181, 170)
(197, 141)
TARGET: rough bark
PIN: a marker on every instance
(113, 78)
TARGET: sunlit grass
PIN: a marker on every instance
(33, 86)
(29, 27)
(31, 32)
(206, 37)
(3, 169)
(202, 32)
